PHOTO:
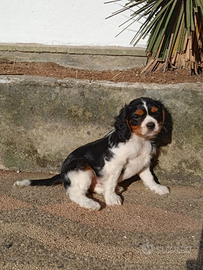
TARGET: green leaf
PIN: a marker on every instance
(172, 26)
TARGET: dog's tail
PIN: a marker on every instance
(57, 179)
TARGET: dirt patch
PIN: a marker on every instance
(130, 75)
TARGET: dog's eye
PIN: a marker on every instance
(136, 116)
(157, 113)
(136, 119)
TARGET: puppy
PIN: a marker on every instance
(124, 152)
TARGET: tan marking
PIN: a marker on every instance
(160, 126)
(161, 122)
(136, 129)
(93, 183)
(88, 168)
(139, 112)
(154, 109)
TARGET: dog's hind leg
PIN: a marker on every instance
(80, 181)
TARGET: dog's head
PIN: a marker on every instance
(143, 117)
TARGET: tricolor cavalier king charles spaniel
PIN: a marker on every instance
(124, 152)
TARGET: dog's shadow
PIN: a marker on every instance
(163, 139)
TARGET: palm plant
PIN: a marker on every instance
(175, 29)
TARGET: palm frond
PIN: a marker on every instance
(175, 30)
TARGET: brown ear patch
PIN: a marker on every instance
(154, 109)
(139, 112)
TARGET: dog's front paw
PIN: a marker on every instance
(88, 204)
(94, 206)
(113, 199)
(162, 190)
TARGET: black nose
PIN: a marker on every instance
(150, 125)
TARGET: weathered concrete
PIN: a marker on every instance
(90, 50)
(82, 57)
(43, 119)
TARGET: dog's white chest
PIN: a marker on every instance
(131, 156)
(136, 147)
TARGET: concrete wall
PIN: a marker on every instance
(43, 119)
(64, 23)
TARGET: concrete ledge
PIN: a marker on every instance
(15, 47)
(90, 50)
(80, 57)
(43, 119)
(116, 51)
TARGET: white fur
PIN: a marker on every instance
(24, 182)
(134, 156)
(149, 182)
(127, 155)
(145, 131)
(80, 183)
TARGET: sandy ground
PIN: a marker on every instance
(42, 229)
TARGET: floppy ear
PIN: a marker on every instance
(121, 125)
(163, 114)
(163, 111)
(165, 136)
